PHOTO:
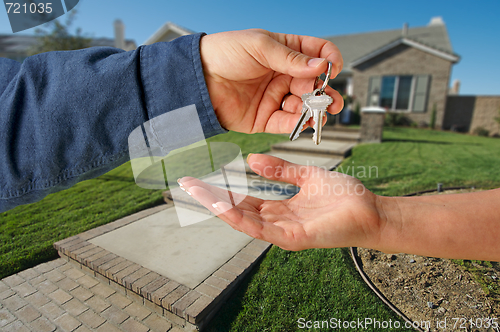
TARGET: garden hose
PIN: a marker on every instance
(377, 292)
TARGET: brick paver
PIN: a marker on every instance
(137, 310)
(115, 315)
(67, 322)
(16, 326)
(82, 293)
(131, 325)
(74, 307)
(157, 323)
(27, 314)
(91, 319)
(119, 300)
(6, 317)
(97, 304)
(59, 296)
(102, 290)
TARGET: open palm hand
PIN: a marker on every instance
(331, 209)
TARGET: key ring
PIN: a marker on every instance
(327, 78)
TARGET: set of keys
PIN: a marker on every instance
(314, 105)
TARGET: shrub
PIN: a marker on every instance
(396, 119)
(481, 131)
(433, 116)
(423, 124)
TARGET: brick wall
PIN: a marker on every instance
(406, 60)
(486, 109)
(471, 112)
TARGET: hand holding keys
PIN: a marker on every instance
(314, 104)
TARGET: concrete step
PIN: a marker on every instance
(343, 136)
(306, 146)
(339, 128)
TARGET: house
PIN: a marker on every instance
(17, 47)
(404, 70)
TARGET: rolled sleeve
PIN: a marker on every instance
(175, 82)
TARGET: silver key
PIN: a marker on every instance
(306, 115)
(317, 104)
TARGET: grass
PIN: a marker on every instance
(28, 232)
(481, 271)
(317, 284)
(411, 160)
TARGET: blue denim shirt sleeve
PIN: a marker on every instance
(65, 117)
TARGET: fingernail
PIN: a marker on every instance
(315, 62)
(182, 188)
(215, 206)
(188, 192)
(248, 157)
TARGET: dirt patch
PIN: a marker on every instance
(432, 289)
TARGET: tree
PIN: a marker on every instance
(56, 36)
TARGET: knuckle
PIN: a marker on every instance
(294, 57)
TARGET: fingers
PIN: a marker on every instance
(338, 101)
(277, 169)
(249, 220)
(223, 210)
(230, 214)
(284, 121)
(298, 56)
(220, 194)
(252, 225)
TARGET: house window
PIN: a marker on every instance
(402, 93)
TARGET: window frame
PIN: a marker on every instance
(395, 93)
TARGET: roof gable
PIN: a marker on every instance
(356, 46)
(167, 32)
(409, 42)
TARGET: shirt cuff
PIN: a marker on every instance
(172, 77)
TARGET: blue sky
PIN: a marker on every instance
(474, 27)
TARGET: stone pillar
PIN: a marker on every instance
(372, 124)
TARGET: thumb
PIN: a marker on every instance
(283, 59)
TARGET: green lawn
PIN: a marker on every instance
(314, 284)
(411, 160)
